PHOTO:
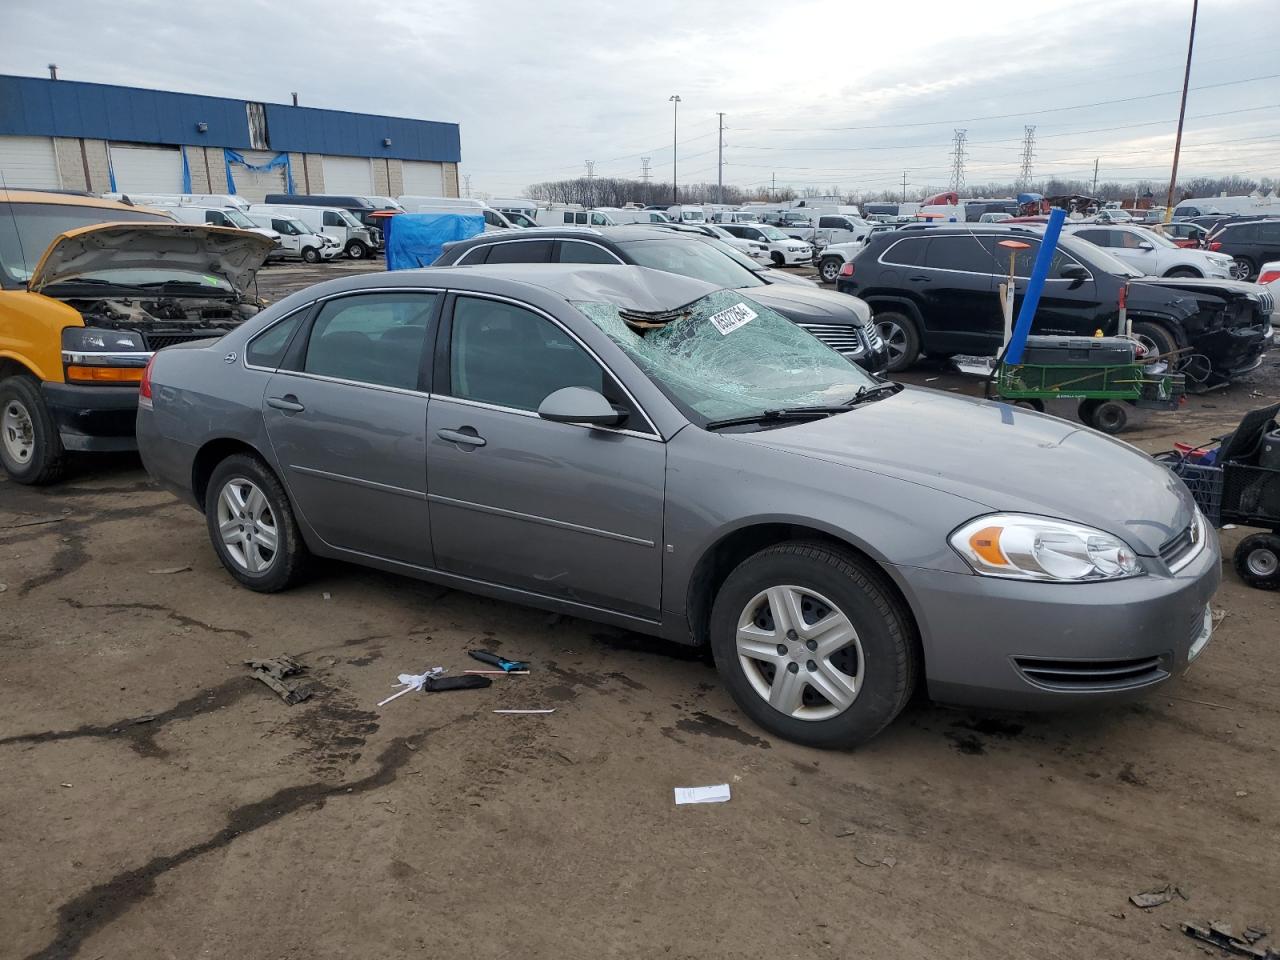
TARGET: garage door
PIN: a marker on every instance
(141, 169)
(351, 176)
(254, 185)
(28, 162)
(423, 179)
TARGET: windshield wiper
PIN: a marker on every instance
(867, 394)
(786, 413)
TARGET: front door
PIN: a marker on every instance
(1068, 305)
(561, 510)
(348, 424)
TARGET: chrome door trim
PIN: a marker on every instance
(481, 405)
(535, 518)
(360, 482)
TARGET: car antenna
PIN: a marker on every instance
(17, 234)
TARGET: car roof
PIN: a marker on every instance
(67, 199)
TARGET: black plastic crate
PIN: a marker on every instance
(1204, 481)
(1251, 494)
(1060, 351)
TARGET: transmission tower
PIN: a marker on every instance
(466, 183)
(644, 168)
(957, 161)
(1028, 155)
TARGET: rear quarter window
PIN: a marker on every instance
(908, 252)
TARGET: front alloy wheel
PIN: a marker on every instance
(800, 653)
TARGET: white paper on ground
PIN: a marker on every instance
(716, 794)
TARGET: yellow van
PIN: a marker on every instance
(89, 289)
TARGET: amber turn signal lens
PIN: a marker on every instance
(104, 374)
(986, 544)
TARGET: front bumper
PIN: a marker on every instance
(1022, 645)
(98, 419)
(1234, 350)
(803, 255)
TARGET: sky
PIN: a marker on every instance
(843, 93)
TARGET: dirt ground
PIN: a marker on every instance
(157, 802)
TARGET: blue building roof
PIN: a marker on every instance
(37, 107)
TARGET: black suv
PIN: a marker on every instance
(842, 324)
(1251, 243)
(936, 291)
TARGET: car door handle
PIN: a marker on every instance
(470, 439)
(288, 402)
(918, 279)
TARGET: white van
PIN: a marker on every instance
(624, 215)
(519, 210)
(297, 239)
(735, 216)
(686, 213)
(356, 240)
(493, 220)
(216, 200)
(573, 216)
(217, 217)
(1208, 206)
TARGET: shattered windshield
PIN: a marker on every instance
(727, 356)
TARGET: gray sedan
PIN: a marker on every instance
(647, 450)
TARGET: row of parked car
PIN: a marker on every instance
(547, 407)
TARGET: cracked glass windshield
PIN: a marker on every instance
(727, 356)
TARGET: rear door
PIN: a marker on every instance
(953, 285)
(1268, 242)
(559, 510)
(347, 416)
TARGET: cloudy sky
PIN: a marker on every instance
(829, 92)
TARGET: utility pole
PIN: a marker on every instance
(1094, 191)
(591, 186)
(675, 144)
(720, 163)
(957, 162)
(1028, 155)
(644, 169)
(904, 186)
(1182, 112)
(773, 188)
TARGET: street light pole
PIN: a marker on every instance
(1182, 112)
(675, 141)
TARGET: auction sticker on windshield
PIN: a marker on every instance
(727, 321)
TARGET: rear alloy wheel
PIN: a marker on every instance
(1257, 560)
(31, 450)
(252, 526)
(310, 254)
(1242, 268)
(829, 269)
(901, 339)
(357, 250)
(812, 646)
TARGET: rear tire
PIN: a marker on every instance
(901, 339)
(31, 450)
(829, 269)
(870, 666)
(310, 254)
(357, 250)
(252, 526)
(1257, 561)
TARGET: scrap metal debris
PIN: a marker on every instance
(1154, 898)
(165, 571)
(1222, 936)
(273, 672)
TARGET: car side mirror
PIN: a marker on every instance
(580, 405)
(1146, 246)
(1077, 273)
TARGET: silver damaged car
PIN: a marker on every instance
(651, 451)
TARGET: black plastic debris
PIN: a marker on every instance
(1221, 936)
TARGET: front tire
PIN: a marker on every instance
(1184, 272)
(813, 646)
(1257, 561)
(1158, 335)
(901, 339)
(1242, 268)
(778, 259)
(252, 527)
(31, 449)
(829, 269)
(310, 254)
(357, 250)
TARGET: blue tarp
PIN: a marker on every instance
(230, 156)
(417, 239)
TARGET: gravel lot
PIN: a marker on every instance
(159, 803)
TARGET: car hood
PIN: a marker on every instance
(1206, 285)
(809, 303)
(1001, 457)
(233, 255)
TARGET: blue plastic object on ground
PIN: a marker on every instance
(1031, 299)
(417, 239)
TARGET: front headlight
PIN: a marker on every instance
(1022, 547)
(95, 356)
(94, 340)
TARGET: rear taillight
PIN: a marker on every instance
(1215, 244)
(1269, 276)
(144, 386)
(847, 269)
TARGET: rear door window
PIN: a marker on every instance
(267, 349)
(521, 251)
(1103, 238)
(475, 255)
(575, 251)
(374, 338)
(1240, 233)
(962, 253)
(908, 252)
